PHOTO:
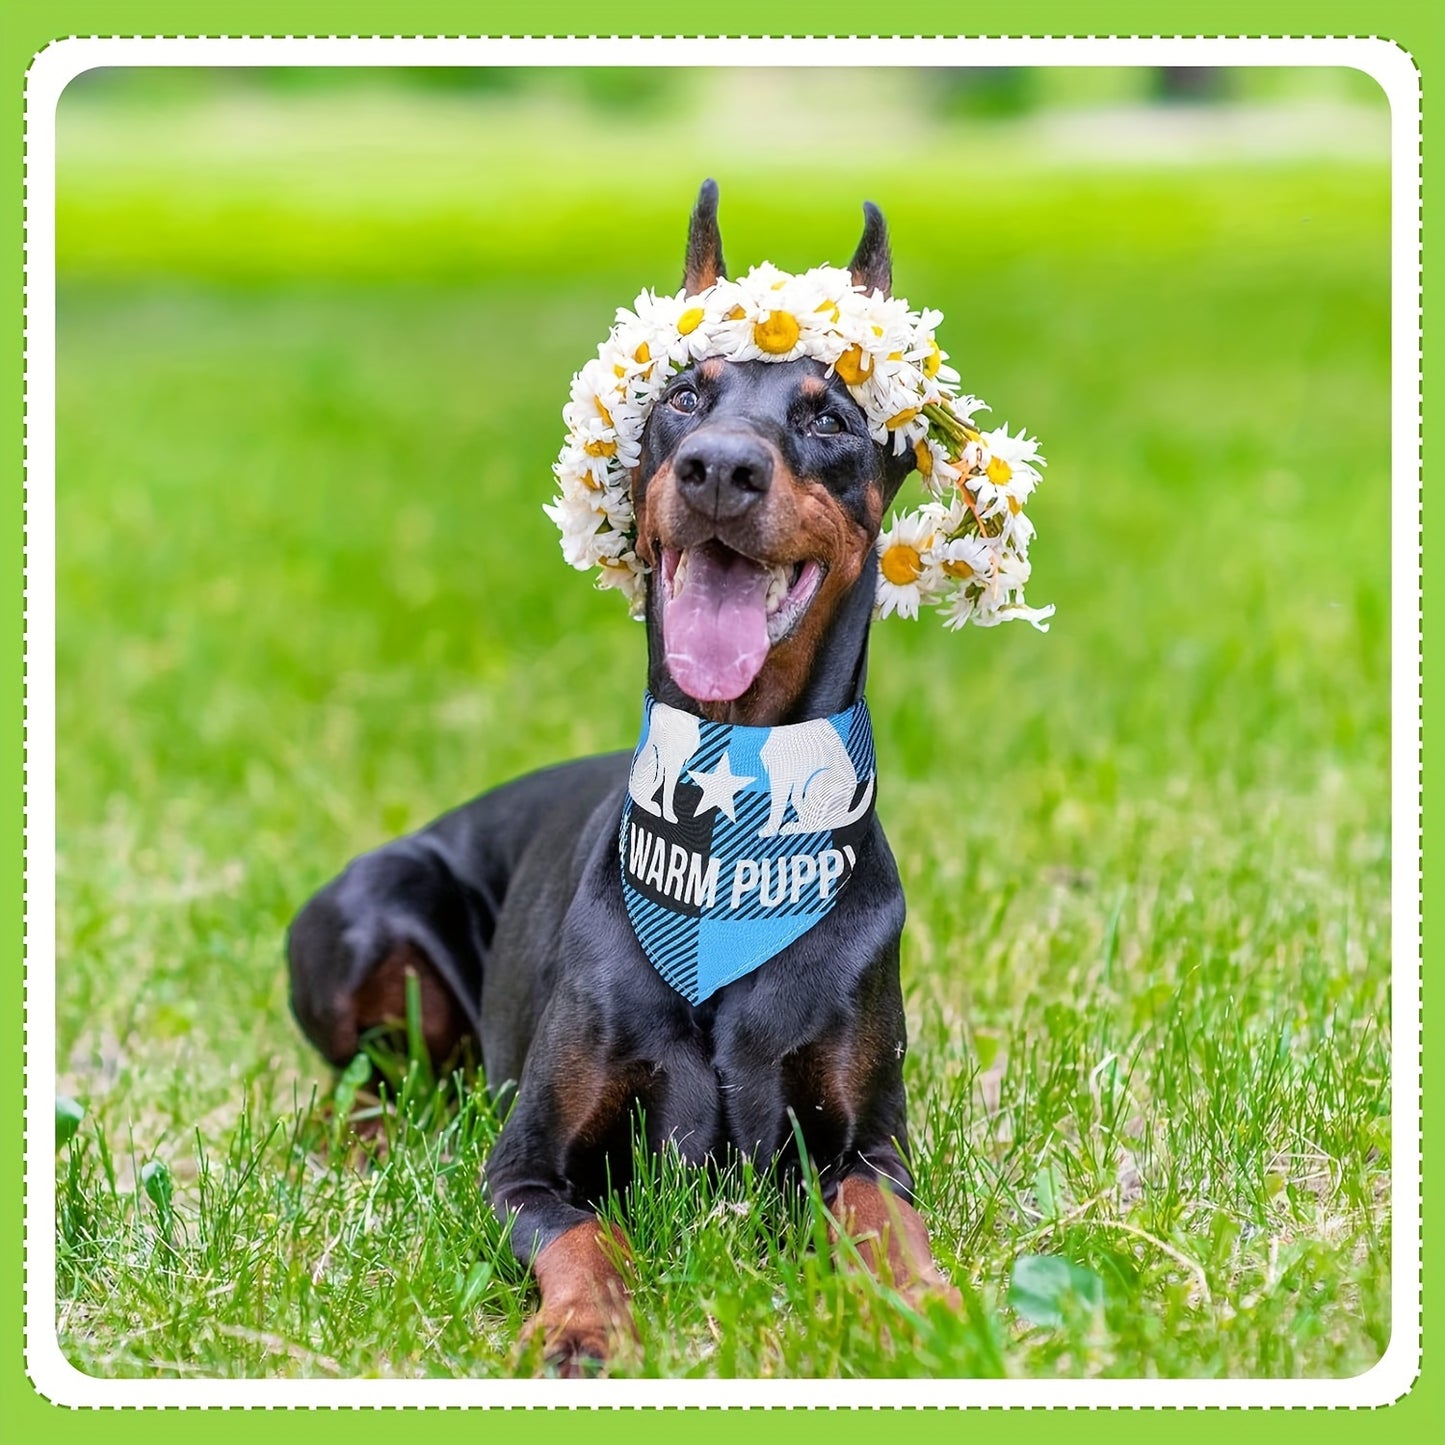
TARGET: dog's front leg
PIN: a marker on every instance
(573, 1099)
(584, 1314)
(583, 1318)
(891, 1239)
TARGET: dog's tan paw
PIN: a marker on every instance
(578, 1343)
(928, 1293)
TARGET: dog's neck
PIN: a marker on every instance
(833, 680)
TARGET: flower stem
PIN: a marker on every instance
(956, 432)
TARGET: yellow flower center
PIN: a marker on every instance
(830, 309)
(600, 449)
(961, 570)
(688, 322)
(999, 471)
(736, 314)
(901, 418)
(851, 368)
(603, 412)
(924, 456)
(933, 360)
(776, 334)
(643, 353)
(901, 564)
(1015, 506)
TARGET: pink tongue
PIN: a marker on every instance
(716, 629)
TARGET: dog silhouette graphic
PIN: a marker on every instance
(672, 737)
(809, 768)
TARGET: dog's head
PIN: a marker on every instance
(758, 497)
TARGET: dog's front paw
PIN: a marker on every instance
(580, 1341)
(931, 1293)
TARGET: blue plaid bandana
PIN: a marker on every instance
(736, 840)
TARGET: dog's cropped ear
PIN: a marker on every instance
(872, 263)
(705, 264)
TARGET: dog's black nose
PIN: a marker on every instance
(722, 473)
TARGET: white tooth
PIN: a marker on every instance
(679, 573)
(777, 588)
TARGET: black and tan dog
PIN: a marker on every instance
(510, 909)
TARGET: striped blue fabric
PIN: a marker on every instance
(737, 840)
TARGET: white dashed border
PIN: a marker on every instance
(59, 1381)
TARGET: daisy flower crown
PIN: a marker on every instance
(964, 551)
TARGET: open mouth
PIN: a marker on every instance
(722, 612)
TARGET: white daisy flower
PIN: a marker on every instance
(1038, 617)
(1010, 471)
(1018, 530)
(959, 608)
(578, 470)
(615, 504)
(700, 332)
(894, 413)
(628, 355)
(770, 326)
(967, 560)
(937, 472)
(908, 572)
(578, 522)
(629, 576)
(1011, 574)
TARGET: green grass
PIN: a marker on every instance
(307, 600)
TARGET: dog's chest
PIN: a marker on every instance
(728, 1085)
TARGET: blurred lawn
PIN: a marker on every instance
(308, 399)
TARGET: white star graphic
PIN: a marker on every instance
(719, 788)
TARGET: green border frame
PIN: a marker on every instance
(29, 25)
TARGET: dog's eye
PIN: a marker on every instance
(684, 399)
(827, 424)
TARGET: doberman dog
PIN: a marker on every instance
(510, 912)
